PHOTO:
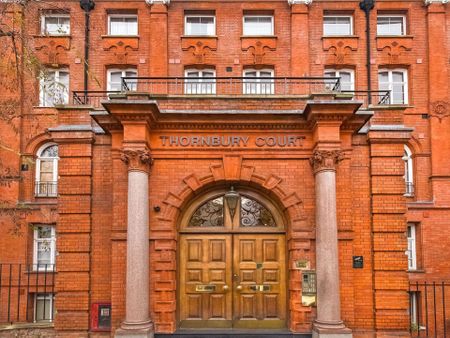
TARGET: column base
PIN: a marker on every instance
(331, 330)
(135, 330)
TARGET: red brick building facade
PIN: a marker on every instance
(183, 165)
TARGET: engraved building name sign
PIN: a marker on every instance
(232, 141)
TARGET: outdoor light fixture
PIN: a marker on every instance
(232, 198)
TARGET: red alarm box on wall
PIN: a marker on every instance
(101, 317)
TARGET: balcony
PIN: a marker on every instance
(240, 93)
(46, 189)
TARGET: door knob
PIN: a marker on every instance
(225, 287)
(239, 287)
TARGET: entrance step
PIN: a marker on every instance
(231, 333)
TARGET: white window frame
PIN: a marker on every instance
(39, 159)
(338, 16)
(199, 16)
(337, 74)
(413, 306)
(36, 240)
(409, 171)
(201, 87)
(123, 16)
(44, 27)
(412, 246)
(272, 28)
(124, 72)
(46, 94)
(391, 83)
(44, 296)
(393, 16)
(256, 87)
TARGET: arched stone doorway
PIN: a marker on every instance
(232, 262)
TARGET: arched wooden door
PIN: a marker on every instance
(232, 263)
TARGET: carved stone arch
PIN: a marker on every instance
(233, 171)
(36, 142)
(415, 145)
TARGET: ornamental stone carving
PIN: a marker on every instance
(440, 109)
(140, 159)
(429, 2)
(153, 2)
(325, 160)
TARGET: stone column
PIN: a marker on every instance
(328, 322)
(137, 323)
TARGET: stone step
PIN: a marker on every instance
(233, 333)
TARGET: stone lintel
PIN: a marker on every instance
(389, 134)
(133, 109)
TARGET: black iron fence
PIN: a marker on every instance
(26, 293)
(369, 97)
(91, 97)
(429, 312)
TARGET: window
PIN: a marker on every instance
(409, 178)
(55, 24)
(258, 82)
(200, 81)
(414, 314)
(412, 247)
(122, 24)
(200, 25)
(391, 25)
(347, 78)
(114, 79)
(258, 25)
(44, 248)
(54, 87)
(337, 25)
(44, 307)
(47, 171)
(395, 80)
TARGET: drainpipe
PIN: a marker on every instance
(367, 6)
(87, 6)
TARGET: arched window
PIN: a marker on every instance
(409, 179)
(47, 171)
(250, 212)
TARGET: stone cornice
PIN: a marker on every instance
(137, 159)
(429, 2)
(325, 160)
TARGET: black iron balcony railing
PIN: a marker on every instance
(377, 97)
(46, 189)
(217, 86)
(91, 97)
(26, 293)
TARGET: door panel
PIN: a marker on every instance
(205, 274)
(232, 280)
(259, 281)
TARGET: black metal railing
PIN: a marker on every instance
(377, 97)
(92, 97)
(46, 189)
(429, 313)
(26, 293)
(262, 86)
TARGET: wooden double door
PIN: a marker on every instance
(232, 280)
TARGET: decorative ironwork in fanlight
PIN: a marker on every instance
(254, 214)
(209, 214)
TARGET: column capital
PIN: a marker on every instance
(137, 159)
(296, 2)
(153, 2)
(325, 160)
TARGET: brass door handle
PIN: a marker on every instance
(239, 287)
(225, 288)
